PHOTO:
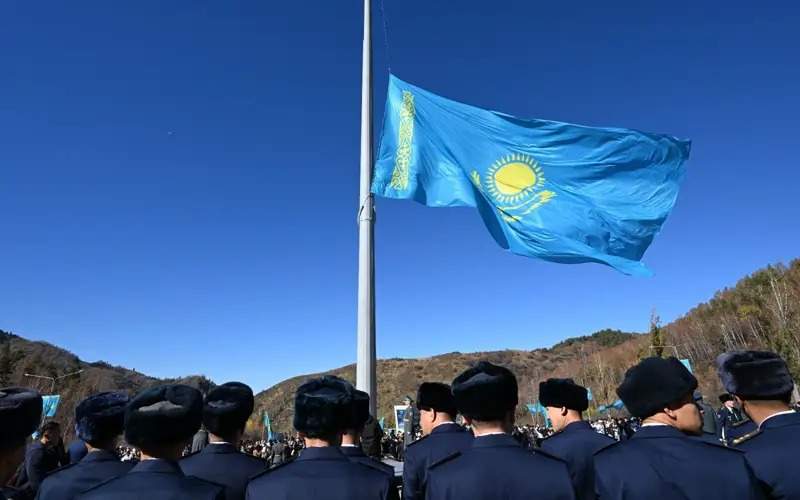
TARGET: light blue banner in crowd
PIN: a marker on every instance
(537, 409)
(617, 405)
(267, 427)
(560, 192)
(687, 364)
(50, 405)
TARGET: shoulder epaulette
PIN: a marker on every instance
(423, 438)
(63, 467)
(741, 422)
(746, 437)
(373, 465)
(540, 451)
(100, 485)
(446, 459)
(191, 454)
(608, 447)
(271, 469)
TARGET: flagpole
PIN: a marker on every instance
(365, 366)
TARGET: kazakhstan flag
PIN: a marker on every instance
(560, 192)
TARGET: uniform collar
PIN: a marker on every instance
(658, 431)
(157, 465)
(352, 451)
(219, 448)
(446, 427)
(578, 426)
(324, 453)
(494, 441)
(780, 419)
(100, 456)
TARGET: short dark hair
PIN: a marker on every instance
(50, 426)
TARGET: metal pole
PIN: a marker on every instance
(365, 366)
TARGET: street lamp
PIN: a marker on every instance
(53, 379)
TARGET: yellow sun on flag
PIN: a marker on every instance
(514, 178)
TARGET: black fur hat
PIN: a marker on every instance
(436, 396)
(322, 406)
(359, 410)
(101, 416)
(755, 374)
(558, 392)
(20, 415)
(167, 414)
(725, 397)
(227, 408)
(653, 384)
(485, 392)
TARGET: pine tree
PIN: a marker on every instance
(657, 341)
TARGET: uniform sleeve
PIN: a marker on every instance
(412, 482)
(391, 493)
(34, 468)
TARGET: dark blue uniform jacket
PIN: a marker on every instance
(497, 467)
(661, 462)
(443, 441)
(773, 454)
(576, 444)
(95, 468)
(223, 464)
(322, 473)
(155, 480)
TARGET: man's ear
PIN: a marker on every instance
(564, 411)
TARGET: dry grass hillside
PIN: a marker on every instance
(761, 312)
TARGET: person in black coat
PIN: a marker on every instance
(574, 440)
(322, 411)
(496, 466)
(661, 460)
(99, 423)
(160, 421)
(225, 413)
(441, 437)
(351, 439)
(43, 457)
(20, 415)
(762, 385)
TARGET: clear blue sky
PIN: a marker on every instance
(178, 180)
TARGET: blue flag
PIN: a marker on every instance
(267, 427)
(560, 192)
(50, 405)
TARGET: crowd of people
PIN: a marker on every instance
(673, 445)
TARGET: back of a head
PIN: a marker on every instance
(755, 375)
(20, 415)
(359, 411)
(654, 384)
(165, 415)
(438, 397)
(563, 392)
(485, 392)
(227, 408)
(100, 418)
(322, 407)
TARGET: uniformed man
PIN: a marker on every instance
(710, 426)
(20, 415)
(442, 436)
(762, 385)
(322, 411)
(574, 440)
(660, 460)
(351, 439)
(99, 423)
(43, 457)
(160, 422)
(225, 413)
(496, 465)
(732, 424)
